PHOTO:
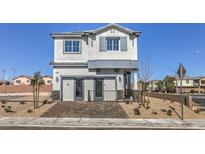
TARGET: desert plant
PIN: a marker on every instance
(136, 111)
(36, 82)
(22, 102)
(49, 102)
(9, 109)
(169, 112)
(45, 102)
(3, 106)
(153, 112)
(127, 102)
(163, 110)
(3, 101)
(171, 107)
(29, 111)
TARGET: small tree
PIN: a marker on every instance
(159, 85)
(36, 82)
(146, 73)
(169, 84)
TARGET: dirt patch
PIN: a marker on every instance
(23, 109)
(159, 109)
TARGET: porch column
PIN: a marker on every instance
(135, 86)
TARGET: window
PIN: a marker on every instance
(202, 81)
(113, 44)
(18, 81)
(187, 81)
(27, 81)
(116, 70)
(72, 46)
(79, 88)
(49, 81)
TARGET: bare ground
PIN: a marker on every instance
(156, 105)
(21, 110)
(98, 110)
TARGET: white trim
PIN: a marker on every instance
(72, 52)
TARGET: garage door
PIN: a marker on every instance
(68, 90)
(109, 89)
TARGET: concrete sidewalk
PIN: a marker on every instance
(97, 123)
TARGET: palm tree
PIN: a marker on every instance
(36, 82)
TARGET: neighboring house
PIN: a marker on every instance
(4, 82)
(199, 83)
(153, 85)
(94, 65)
(22, 80)
(48, 80)
(189, 84)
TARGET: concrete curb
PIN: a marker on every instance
(99, 124)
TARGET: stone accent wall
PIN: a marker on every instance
(56, 95)
(171, 97)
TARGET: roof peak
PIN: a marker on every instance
(100, 29)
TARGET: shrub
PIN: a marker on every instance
(153, 112)
(50, 102)
(8, 109)
(163, 110)
(171, 107)
(192, 91)
(127, 102)
(136, 111)
(169, 112)
(3, 106)
(29, 111)
(3, 101)
(45, 101)
(22, 102)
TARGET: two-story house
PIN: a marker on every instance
(94, 65)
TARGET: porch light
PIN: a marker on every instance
(119, 79)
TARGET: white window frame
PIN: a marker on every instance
(113, 43)
(72, 52)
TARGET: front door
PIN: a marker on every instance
(98, 89)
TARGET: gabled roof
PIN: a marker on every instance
(118, 27)
(88, 32)
(26, 76)
(186, 77)
(47, 76)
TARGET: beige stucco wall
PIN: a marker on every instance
(24, 81)
(46, 79)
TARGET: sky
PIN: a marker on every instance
(29, 48)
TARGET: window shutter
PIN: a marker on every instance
(102, 43)
(80, 46)
(123, 43)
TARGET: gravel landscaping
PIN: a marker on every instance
(158, 109)
(21, 108)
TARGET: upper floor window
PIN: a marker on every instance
(112, 44)
(187, 81)
(71, 46)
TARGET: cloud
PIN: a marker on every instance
(197, 51)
